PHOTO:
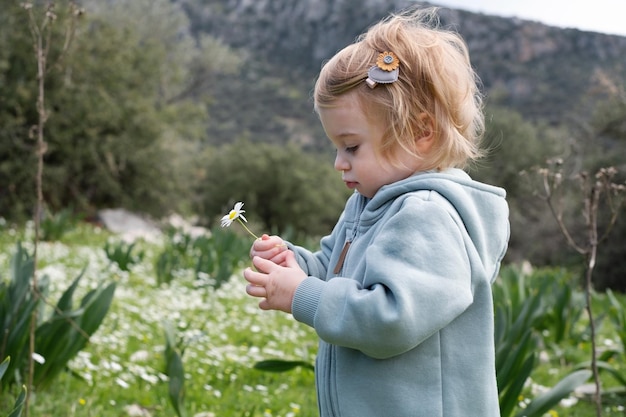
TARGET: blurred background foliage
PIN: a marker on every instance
(156, 110)
(283, 188)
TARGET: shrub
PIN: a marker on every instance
(212, 258)
(55, 225)
(122, 254)
(282, 187)
(58, 337)
(521, 310)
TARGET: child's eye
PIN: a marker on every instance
(352, 149)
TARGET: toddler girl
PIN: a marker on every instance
(399, 292)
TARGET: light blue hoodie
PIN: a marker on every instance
(406, 325)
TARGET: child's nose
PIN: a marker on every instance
(341, 164)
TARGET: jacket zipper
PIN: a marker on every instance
(346, 246)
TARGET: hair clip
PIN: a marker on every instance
(385, 71)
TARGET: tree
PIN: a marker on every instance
(514, 145)
(129, 101)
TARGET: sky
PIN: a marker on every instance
(605, 16)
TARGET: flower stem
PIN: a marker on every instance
(246, 227)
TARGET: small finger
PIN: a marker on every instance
(253, 277)
(280, 258)
(262, 265)
(263, 244)
(256, 291)
(290, 259)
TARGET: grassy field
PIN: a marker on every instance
(121, 372)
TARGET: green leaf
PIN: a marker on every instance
(544, 402)
(22, 267)
(58, 339)
(509, 399)
(175, 371)
(65, 302)
(4, 365)
(176, 387)
(605, 366)
(19, 404)
(16, 310)
(96, 304)
(515, 358)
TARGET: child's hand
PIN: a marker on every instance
(276, 284)
(272, 248)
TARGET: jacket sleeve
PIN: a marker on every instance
(315, 264)
(417, 279)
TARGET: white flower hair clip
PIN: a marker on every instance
(385, 71)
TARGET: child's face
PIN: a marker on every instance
(357, 138)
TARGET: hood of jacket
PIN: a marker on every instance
(482, 208)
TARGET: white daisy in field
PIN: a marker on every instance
(236, 214)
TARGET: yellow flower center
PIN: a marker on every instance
(232, 215)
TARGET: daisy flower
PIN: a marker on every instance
(236, 214)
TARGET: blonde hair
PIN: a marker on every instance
(437, 90)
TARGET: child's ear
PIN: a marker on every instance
(426, 135)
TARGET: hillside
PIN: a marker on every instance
(545, 73)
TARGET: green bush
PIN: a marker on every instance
(59, 336)
(282, 187)
(55, 225)
(521, 311)
(17, 304)
(617, 316)
(176, 255)
(126, 108)
(122, 254)
(515, 145)
(212, 258)
(220, 255)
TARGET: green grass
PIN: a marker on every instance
(224, 335)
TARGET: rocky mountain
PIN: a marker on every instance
(544, 72)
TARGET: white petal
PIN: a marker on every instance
(226, 221)
(38, 358)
